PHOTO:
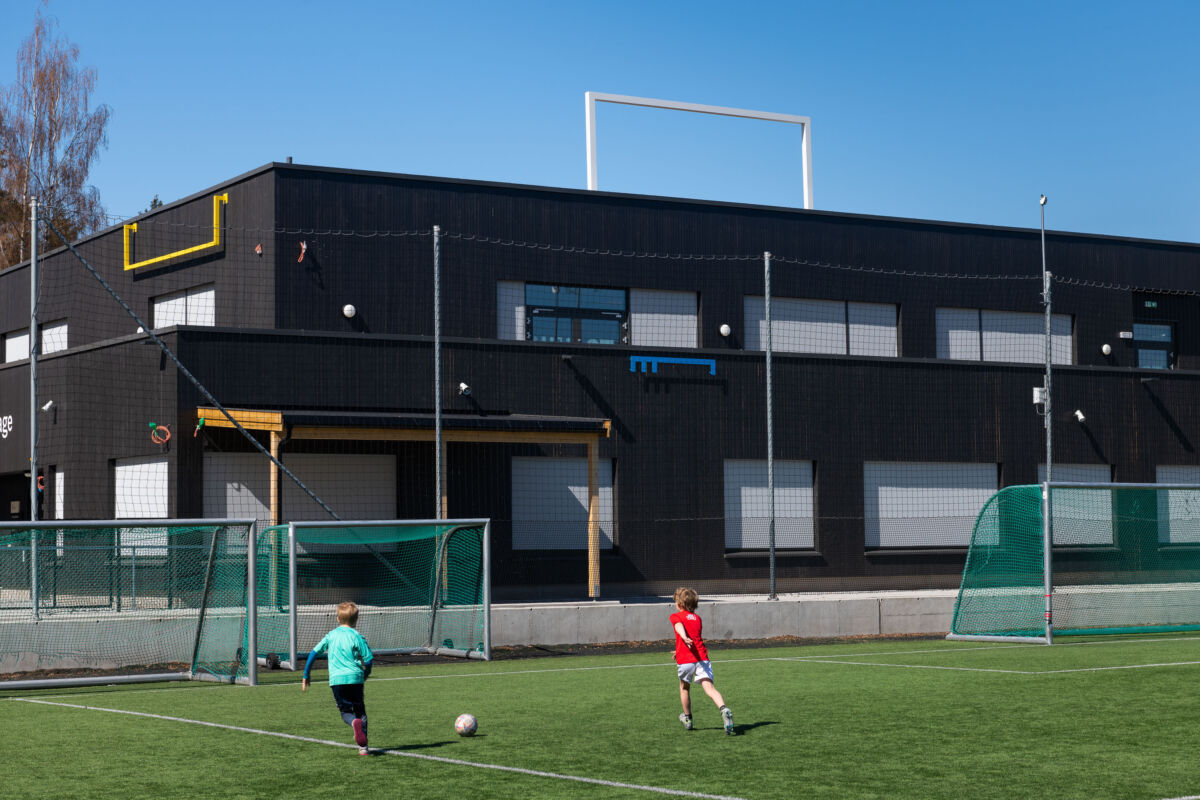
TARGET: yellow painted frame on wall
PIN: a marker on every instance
(218, 201)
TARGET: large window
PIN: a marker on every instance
(1081, 516)
(195, 306)
(661, 318)
(973, 334)
(822, 326)
(54, 336)
(1155, 343)
(747, 505)
(16, 345)
(550, 503)
(1178, 509)
(924, 504)
(575, 314)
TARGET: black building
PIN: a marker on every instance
(904, 358)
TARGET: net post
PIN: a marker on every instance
(33, 573)
(208, 571)
(487, 590)
(1047, 541)
(770, 430)
(292, 594)
(251, 653)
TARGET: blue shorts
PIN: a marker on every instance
(349, 698)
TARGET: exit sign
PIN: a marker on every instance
(1151, 304)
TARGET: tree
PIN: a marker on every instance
(49, 139)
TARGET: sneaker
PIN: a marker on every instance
(687, 721)
(727, 715)
(362, 751)
(360, 735)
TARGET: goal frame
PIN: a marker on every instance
(292, 660)
(1047, 637)
(190, 674)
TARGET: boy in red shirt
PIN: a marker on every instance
(692, 658)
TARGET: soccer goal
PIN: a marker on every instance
(120, 601)
(421, 586)
(1107, 558)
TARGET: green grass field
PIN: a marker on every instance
(1100, 718)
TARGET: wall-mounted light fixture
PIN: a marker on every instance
(725, 329)
(348, 311)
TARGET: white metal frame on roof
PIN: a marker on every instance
(591, 98)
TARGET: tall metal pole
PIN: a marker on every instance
(1047, 520)
(33, 409)
(1046, 277)
(33, 350)
(770, 428)
(437, 371)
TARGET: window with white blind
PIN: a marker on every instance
(836, 327)
(1081, 516)
(16, 345)
(550, 503)
(924, 504)
(1178, 509)
(54, 336)
(747, 505)
(972, 334)
(195, 306)
(662, 319)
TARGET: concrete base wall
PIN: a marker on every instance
(740, 617)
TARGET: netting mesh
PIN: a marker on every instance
(1124, 559)
(418, 587)
(121, 599)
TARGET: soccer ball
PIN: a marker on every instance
(466, 725)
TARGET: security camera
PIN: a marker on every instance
(1079, 415)
(464, 390)
(49, 405)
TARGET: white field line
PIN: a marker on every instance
(455, 761)
(984, 669)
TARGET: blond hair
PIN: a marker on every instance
(686, 598)
(347, 613)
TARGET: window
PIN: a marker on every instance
(971, 334)
(1178, 509)
(195, 306)
(1155, 345)
(16, 345)
(550, 503)
(54, 336)
(662, 319)
(510, 310)
(747, 505)
(924, 504)
(1081, 516)
(575, 314)
(836, 327)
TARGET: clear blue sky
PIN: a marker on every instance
(948, 111)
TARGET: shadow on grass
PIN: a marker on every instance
(410, 747)
(740, 729)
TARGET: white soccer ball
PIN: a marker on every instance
(466, 725)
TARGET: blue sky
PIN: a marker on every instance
(950, 111)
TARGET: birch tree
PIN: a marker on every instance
(50, 137)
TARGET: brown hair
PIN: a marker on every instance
(347, 613)
(686, 598)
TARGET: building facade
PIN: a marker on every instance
(593, 332)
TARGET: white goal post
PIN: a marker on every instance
(591, 98)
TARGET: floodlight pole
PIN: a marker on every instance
(33, 407)
(1047, 519)
(437, 372)
(770, 430)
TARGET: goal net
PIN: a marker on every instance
(421, 586)
(1108, 558)
(124, 600)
